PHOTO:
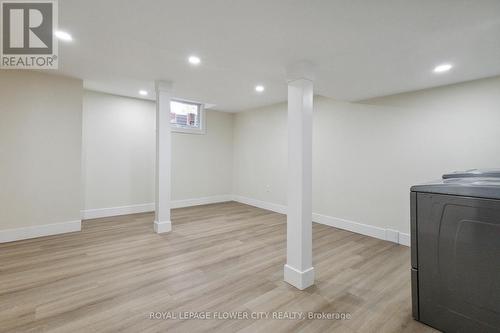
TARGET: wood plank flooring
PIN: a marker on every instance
(225, 257)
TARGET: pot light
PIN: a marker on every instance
(63, 35)
(194, 60)
(143, 92)
(443, 68)
(259, 88)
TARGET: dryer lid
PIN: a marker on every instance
(474, 173)
(479, 183)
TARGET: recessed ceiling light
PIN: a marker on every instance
(194, 60)
(143, 92)
(443, 68)
(63, 35)
(259, 88)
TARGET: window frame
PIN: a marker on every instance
(191, 130)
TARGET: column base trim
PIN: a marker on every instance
(162, 227)
(299, 279)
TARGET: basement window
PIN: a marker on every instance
(187, 117)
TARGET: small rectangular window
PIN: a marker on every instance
(187, 117)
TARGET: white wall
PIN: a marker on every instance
(260, 154)
(119, 154)
(40, 152)
(202, 164)
(118, 151)
(366, 156)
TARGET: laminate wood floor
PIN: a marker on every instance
(220, 258)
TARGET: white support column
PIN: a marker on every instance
(163, 157)
(298, 269)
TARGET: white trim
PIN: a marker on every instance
(200, 201)
(359, 228)
(392, 235)
(116, 211)
(11, 235)
(261, 204)
(404, 239)
(150, 207)
(162, 227)
(298, 279)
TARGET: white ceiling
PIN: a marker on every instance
(361, 48)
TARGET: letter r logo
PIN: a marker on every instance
(27, 27)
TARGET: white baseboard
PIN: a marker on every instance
(116, 211)
(404, 239)
(11, 235)
(201, 201)
(260, 204)
(359, 228)
(392, 235)
(150, 207)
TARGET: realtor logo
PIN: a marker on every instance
(28, 40)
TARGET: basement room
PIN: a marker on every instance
(250, 166)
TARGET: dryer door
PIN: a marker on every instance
(459, 262)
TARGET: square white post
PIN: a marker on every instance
(163, 157)
(298, 270)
